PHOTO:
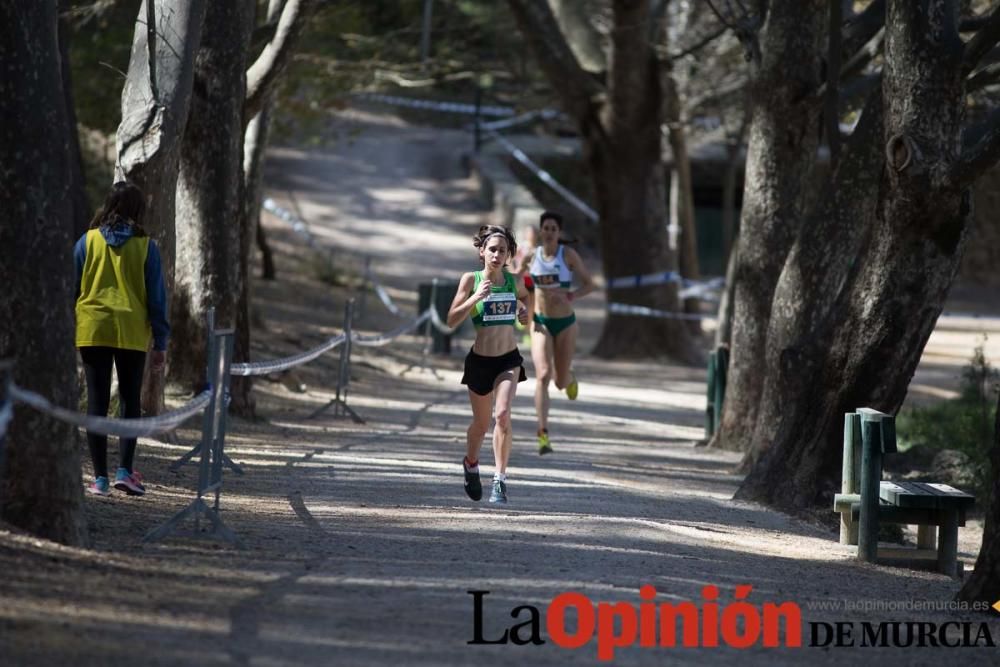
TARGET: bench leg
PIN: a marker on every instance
(926, 537)
(848, 529)
(947, 559)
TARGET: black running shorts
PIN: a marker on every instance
(482, 372)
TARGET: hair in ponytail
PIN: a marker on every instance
(486, 231)
(556, 218)
(124, 201)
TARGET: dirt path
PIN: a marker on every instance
(360, 544)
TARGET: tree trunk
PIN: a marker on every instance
(42, 491)
(254, 148)
(291, 18)
(620, 128)
(781, 153)
(682, 194)
(984, 583)
(210, 261)
(78, 184)
(862, 289)
(155, 103)
(724, 329)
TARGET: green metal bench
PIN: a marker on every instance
(866, 501)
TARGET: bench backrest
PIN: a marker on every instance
(866, 427)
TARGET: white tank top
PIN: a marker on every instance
(549, 274)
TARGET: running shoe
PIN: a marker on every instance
(99, 487)
(473, 487)
(544, 446)
(572, 389)
(499, 494)
(129, 482)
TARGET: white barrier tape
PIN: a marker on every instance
(438, 323)
(434, 105)
(276, 365)
(691, 288)
(704, 290)
(298, 225)
(645, 280)
(643, 311)
(545, 177)
(385, 298)
(386, 338)
(544, 114)
(6, 414)
(123, 428)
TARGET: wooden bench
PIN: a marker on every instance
(866, 501)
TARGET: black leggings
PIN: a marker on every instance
(97, 363)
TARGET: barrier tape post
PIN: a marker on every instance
(477, 137)
(366, 284)
(220, 354)
(6, 410)
(176, 465)
(429, 327)
(339, 402)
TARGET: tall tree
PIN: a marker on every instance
(36, 231)
(155, 103)
(620, 127)
(209, 192)
(780, 158)
(78, 191)
(868, 273)
(289, 19)
(984, 583)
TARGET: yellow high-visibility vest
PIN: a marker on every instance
(111, 310)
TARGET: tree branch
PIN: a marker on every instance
(700, 44)
(583, 39)
(267, 69)
(745, 25)
(982, 42)
(151, 50)
(831, 112)
(575, 87)
(860, 29)
(983, 155)
(984, 77)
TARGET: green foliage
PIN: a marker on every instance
(964, 423)
(350, 47)
(100, 45)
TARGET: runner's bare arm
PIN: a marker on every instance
(525, 298)
(464, 299)
(580, 272)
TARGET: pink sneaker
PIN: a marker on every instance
(99, 487)
(130, 483)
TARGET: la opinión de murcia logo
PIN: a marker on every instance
(737, 624)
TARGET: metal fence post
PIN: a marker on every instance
(176, 465)
(6, 411)
(339, 403)
(366, 285)
(220, 353)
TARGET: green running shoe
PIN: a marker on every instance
(544, 446)
(572, 389)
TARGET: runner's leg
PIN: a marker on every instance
(564, 347)
(541, 355)
(504, 389)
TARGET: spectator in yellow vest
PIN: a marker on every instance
(121, 303)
